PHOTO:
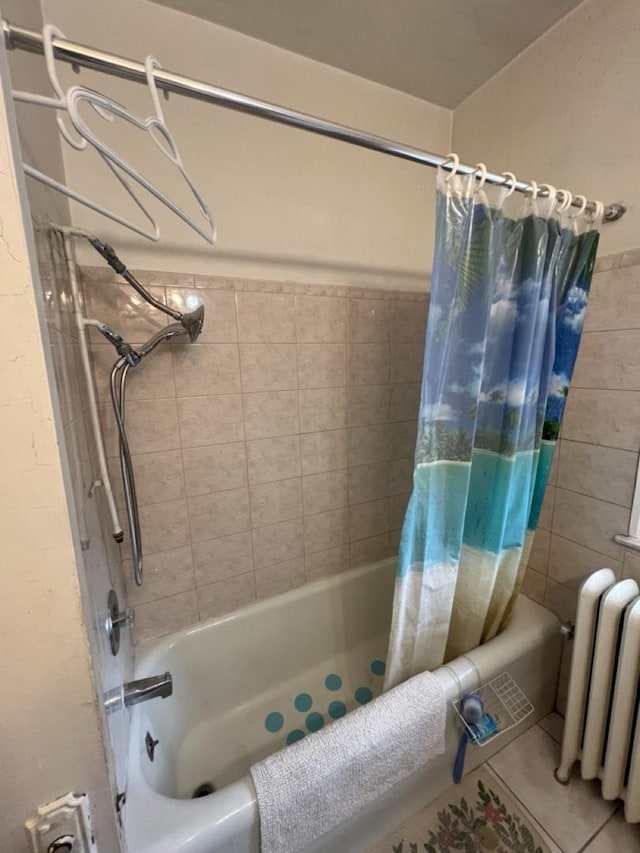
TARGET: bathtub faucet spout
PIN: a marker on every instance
(148, 688)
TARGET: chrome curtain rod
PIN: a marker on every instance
(79, 55)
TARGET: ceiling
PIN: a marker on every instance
(438, 50)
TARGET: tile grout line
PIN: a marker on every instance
(244, 434)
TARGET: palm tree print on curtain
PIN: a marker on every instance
(508, 298)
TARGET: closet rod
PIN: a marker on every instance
(88, 57)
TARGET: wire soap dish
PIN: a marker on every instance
(504, 703)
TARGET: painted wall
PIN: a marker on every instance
(288, 205)
(564, 112)
(50, 740)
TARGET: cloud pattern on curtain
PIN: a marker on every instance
(507, 307)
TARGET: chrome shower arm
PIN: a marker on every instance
(108, 253)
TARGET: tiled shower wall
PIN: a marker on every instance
(274, 451)
(589, 498)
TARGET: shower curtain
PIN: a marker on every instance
(509, 290)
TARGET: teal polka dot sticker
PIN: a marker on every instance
(363, 695)
(314, 721)
(337, 710)
(294, 736)
(378, 667)
(302, 702)
(274, 722)
(333, 682)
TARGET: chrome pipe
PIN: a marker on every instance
(118, 66)
(117, 387)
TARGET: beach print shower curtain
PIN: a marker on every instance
(509, 291)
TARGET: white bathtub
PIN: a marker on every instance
(230, 674)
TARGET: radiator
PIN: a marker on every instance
(602, 729)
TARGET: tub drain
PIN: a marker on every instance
(203, 790)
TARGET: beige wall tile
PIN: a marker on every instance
(368, 320)
(274, 502)
(266, 317)
(406, 362)
(214, 468)
(403, 439)
(278, 543)
(631, 566)
(369, 550)
(210, 420)
(590, 522)
(322, 409)
(324, 451)
(270, 459)
(394, 542)
(159, 477)
(219, 514)
(401, 476)
(164, 526)
(277, 579)
(369, 444)
(368, 404)
(152, 425)
(409, 321)
(534, 585)
(368, 519)
(166, 615)
(225, 557)
(369, 482)
(601, 472)
(610, 418)
(322, 564)
(325, 491)
(621, 367)
(167, 573)
(326, 530)
(570, 563)
(268, 367)
(206, 369)
(614, 300)
(398, 508)
(227, 595)
(405, 401)
(561, 600)
(270, 414)
(321, 319)
(125, 311)
(322, 365)
(151, 379)
(368, 364)
(539, 556)
(219, 311)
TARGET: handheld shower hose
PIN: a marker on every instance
(188, 324)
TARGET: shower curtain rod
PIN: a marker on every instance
(79, 55)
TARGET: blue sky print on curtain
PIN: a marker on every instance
(507, 305)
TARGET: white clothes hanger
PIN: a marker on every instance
(155, 125)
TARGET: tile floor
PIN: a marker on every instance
(570, 819)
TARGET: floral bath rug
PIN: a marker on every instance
(477, 816)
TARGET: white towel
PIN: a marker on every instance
(310, 787)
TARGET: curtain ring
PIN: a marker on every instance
(581, 209)
(451, 158)
(553, 193)
(598, 211)
(533, 192)
(513, 179)
(567, 199)
(482, 169)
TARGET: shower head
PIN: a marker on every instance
(193, 322)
